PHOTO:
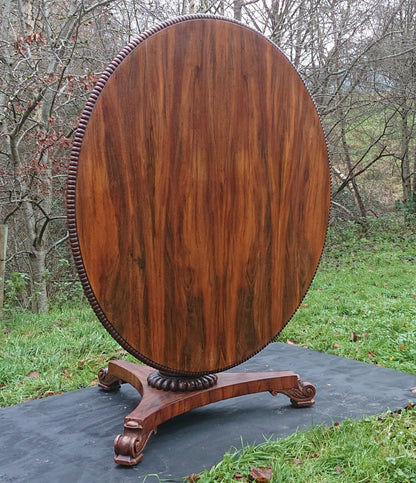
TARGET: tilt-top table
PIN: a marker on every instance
(198, 202)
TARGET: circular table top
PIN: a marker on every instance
(198, 195)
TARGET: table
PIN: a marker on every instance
(198, 203)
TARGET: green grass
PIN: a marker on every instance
(374, 449)
(362, 302)
(361, 305)
(42, 355)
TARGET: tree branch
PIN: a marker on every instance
(57, 243)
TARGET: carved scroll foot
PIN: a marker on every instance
(301, 395)
(129, 447)
(108, 382)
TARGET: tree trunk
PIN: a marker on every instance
(39, 291)
(414, 179)
(352, 184)
(405, 161)
(238, 8)
(3, 245)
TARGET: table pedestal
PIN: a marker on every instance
(157, 405)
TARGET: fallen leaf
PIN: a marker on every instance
(261, 474)
(339, 469)
(289, 342)
(297, 461)
(413, 390)
(192, 478)
(336, 346)
(33, 374)
(353, 337)
(402, 347)
(49, 393)
(240, 477)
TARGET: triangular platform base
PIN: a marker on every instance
(157, 406)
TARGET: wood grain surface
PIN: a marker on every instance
(202, 196)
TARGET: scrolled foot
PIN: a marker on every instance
(129, 447)
(108, 382)
(301, 395)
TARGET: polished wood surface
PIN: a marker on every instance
(201, 196)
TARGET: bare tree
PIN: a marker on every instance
(40, 89)
(395, 83)
(51, 54)
(356, 58)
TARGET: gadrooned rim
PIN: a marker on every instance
(72, 181)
